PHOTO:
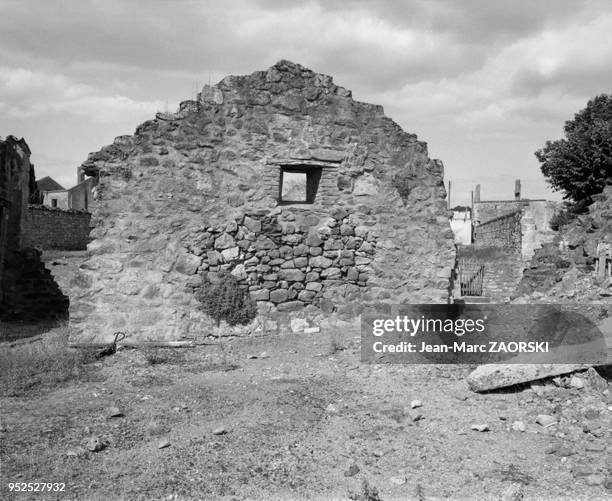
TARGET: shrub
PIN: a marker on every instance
(566, 215)
(224, 299)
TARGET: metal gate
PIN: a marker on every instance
(470, 277)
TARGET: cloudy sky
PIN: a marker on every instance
(485, 83)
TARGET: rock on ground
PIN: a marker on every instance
(495, 376)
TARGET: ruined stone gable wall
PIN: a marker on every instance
(59, 229)
(14, 191)
(27, 289)
(197, 192)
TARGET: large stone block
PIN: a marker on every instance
(187, 264)
(260, 295)
(291, 275)
(279, 295)
(224, 241)
(331, 273)
(230, 254)
(253, 225)
(320, 262)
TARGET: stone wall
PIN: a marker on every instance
(14, 192)
(535, 216)
(59, 229)
(487, 210)
(503, 231)
(27, 289)
(196, 192)
(502, 273)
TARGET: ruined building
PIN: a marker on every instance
(316, 202)
(27, 289)
(505, 235)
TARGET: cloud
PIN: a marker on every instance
(475, 78)
(27, 94)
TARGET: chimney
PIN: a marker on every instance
(517, 189)
(477, 194)
(80, 175)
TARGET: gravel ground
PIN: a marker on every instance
(304, 420)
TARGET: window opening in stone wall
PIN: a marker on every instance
(299, 185)
(54, 202)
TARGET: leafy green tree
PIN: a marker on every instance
(581, 163)
(226, 300)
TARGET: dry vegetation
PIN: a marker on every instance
(43, 362)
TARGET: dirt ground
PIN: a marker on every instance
(304, 420)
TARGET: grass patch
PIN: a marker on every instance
(44, 362)
(158, 356)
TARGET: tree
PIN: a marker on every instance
(226, 300)
(581, 163)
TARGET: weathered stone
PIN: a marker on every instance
(253, 225)
(320, 262)
(291, 275)
(331, 273)
(300, 262)
(224, 241)
(366, 247)
(352, 274)
(239, 272)
(230, 254)
(298, 325)
(346, 230)
(187, 264)
(279, 295)
(332, 244)
(312, 276)
(306, 295)
(495, 376)
(300, 250)
(361, 231)
(286, 251)
(315, 251)
(260, 295)
(290, 306)
(264, 243)
(324, 232)
(338, 213)
(313, 240)
(253, 261)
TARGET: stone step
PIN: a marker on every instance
(473, 300)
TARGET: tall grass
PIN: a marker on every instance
(44, 362)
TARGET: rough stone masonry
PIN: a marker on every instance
(27, 289)
(199, 191)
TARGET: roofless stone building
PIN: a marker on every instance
(27, 289)
(316, 202)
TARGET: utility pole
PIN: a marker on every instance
(449, 194)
